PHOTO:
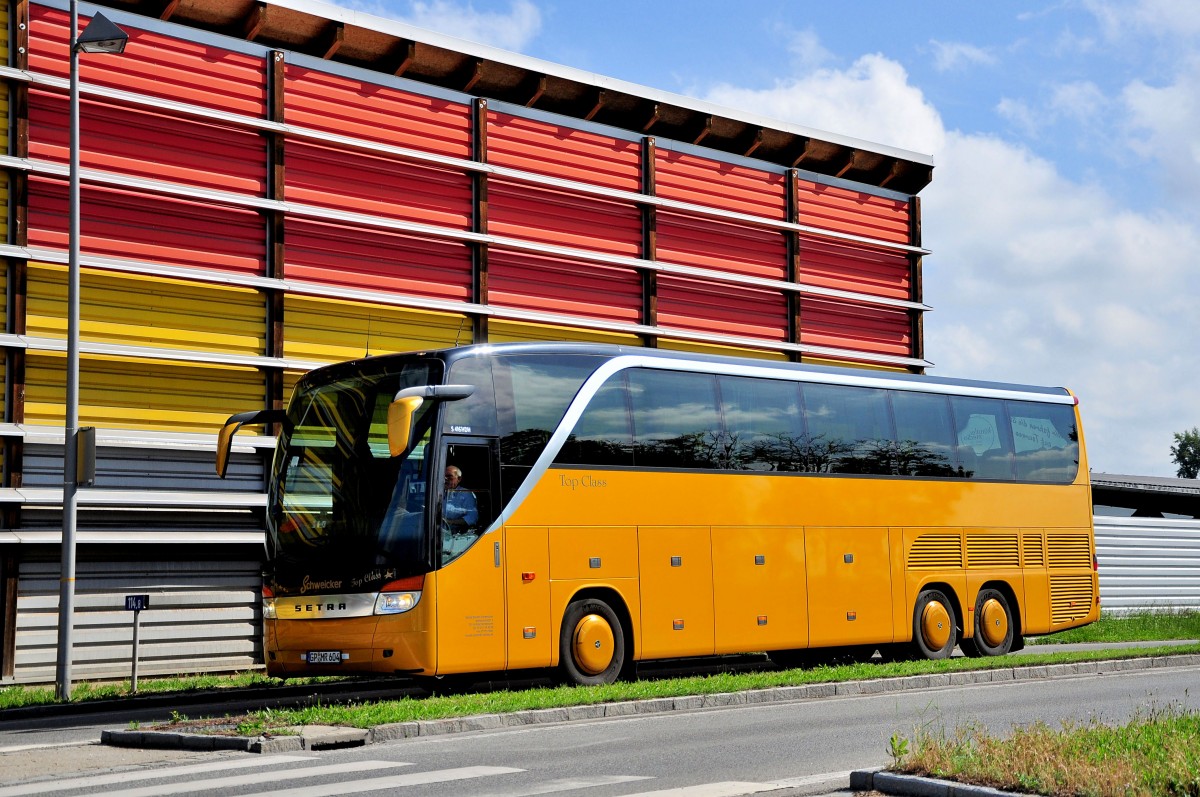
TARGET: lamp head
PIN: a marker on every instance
(101, 36)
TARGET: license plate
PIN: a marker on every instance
(324, 657)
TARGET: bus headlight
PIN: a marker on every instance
(268, 605)
(400, 596)
(396, 602)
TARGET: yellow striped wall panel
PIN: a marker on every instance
(6, 20)
(512, 331)
(145, 311)
(730, 351)
(326, 330)
(846, 364)
(146, 395)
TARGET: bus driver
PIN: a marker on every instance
(460, 515)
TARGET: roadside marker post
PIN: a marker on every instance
(135, 604)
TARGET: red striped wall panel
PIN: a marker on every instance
(850, 266)
(721, 308)
(854, 212)
(370, 259)
(558, 151)
(847, 325)
(554, 285)
(724, 246)
(377, 185)
(703, 181)
(371, 112)
(154, 65)
(119, 223)
(143, 143)
(564, 219)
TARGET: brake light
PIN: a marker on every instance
(1095, 563)
(404, 584)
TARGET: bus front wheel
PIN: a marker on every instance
(934, 625)
(993, 626)
(592, 644)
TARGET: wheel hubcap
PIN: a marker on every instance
(935, 625)
(993, 622)
(594, 644)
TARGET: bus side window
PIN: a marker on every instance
(981, 427)
(1045, 441)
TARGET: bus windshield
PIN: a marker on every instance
(341, 507)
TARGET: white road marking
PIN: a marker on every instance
(565, 784)
(18, 748)
(730, 788)
(253, 778)
(392, 782)
(92, 781)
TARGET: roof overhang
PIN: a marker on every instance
(352, 37)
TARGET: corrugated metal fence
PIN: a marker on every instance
(1148, 563)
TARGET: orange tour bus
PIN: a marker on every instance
(585, 507)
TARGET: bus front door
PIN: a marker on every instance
(470, 578)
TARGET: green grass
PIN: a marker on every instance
(409, 709)
(1139, 627)
(1157, 753)
(19, 696)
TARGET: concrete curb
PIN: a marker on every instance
(325, 737)
(917, 786)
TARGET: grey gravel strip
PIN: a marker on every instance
(324, 737)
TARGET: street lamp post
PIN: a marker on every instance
(100, 36)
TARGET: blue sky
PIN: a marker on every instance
(1064, 215)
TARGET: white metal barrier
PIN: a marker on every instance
(1148, 563)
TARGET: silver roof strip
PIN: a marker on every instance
(30, 537)
(33, 343)
(142, 499)
(136, 438)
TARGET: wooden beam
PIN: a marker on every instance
(404, 53)
(538, 91)
(759, 137)
(654, 116)
(167, 9)
(601, 98)
(332, 41)
(805, 152)
(253, 24)
(705, 129)
(475, 73)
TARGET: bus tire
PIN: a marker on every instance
(934, 625)
(592, 644)
(993, 626)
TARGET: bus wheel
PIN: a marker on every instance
(934, 625)
(592, 646)
(993, 626)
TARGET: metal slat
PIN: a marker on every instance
(326, 330)
(560, 219)
(854, 212)
(204, 615)
(722, 246)
(1148, 563)
(539, 147)
(705, 181)
(723, 309)
(554, 285)
(855, 327)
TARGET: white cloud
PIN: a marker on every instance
(1081, 101)
(1034, 277)
(807, 51)
(849, 101)
(950, 56)
(1164, 18)
(1162, 123)
(510, 31)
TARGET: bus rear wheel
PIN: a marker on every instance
(993, 626)
(592, 644)
(934, 625)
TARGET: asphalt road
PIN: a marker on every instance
(766, 745)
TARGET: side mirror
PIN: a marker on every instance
(235, 422)
(400, 423)
(404, 408)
